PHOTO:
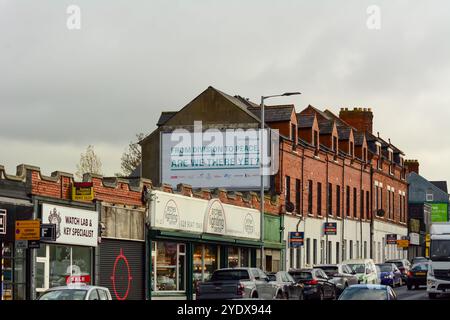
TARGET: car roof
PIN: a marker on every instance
(357, 261)
(369, 286)
(77, 287)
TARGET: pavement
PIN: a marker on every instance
(416, 294)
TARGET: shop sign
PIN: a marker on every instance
(296, 239)
(28, 229)
(3, 222)
(402, 243)
(439, 212)
(83, 191)
(330, 228)
(177, 212)
(78, 279)
(73, 226)
(48, 232)
(34, 244)
(414, 239)
(391, 239)
(414, 225)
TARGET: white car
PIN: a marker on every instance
(365, 270)
(76, 292)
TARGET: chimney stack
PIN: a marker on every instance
(412, 166)
(360, 118)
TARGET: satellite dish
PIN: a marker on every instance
(380, 213)
(290, 207)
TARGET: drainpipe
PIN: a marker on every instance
(361, 207)
(344, 247)
(372, 253)
(326, 211)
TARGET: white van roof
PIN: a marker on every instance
(440, 228)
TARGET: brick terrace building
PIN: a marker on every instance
(332, 169)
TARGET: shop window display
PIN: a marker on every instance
(170, 266)
(205, 260)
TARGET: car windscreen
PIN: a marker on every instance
(272, 277)
(358, 267)
(224, 275)
(399, 264)
(363, 294)
(329, 270)
(420, 267)
(440, 250)
(385, 267)
(64, 294)
(301, 275)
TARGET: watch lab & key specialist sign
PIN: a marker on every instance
(73, 226)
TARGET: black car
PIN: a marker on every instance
(317, 284)
(291, 289)
(417, 276)
(340, 274)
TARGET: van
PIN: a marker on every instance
(364, 269)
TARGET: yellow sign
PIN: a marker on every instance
(83, 191)
(28, 229)
(402, 243)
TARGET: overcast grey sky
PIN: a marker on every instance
(61, 89)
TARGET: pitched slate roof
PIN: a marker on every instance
(441, 185)
(305, 121)
(274, 113)
(344, 132)
(326, 126)
(165, 116)
(359, 138)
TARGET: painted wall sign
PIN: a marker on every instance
(73, 226)
(439, 212)
(176, 212)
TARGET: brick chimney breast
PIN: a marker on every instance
(412, 166)
(359, 118)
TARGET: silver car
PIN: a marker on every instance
(76, 292)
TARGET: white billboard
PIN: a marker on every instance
(218, 158)
(180, 213)
(73, 226)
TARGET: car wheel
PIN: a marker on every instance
(432, 295)
(280, 295)
(409, 287)
(416, 287)
(255, 295)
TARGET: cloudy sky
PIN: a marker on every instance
(61, 89)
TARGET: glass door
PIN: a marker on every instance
(42, 274)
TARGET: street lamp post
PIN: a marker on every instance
(262, 169)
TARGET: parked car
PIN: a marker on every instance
(417, 260)
(340, 274)
(236, 283)
(316, 282)
(291, 290)
(403, 265)
(368, 292)
(390, 275)
(76, 292)
(365, 270)
(417, 276)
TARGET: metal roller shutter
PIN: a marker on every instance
(122, 268)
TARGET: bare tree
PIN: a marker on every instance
(131, 158)
(89, 163)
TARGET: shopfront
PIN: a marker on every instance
(13, 260)
(190, 238)
(274, 245)
(122, 252)
(71, 257)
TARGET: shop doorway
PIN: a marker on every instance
(268, 263)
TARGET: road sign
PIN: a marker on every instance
(296, 239)
(330, 228)
(28, 230)
(3, 222)
(391, 239)
(34, 244)
(22, 244)
(48, 232)
(403, 243)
